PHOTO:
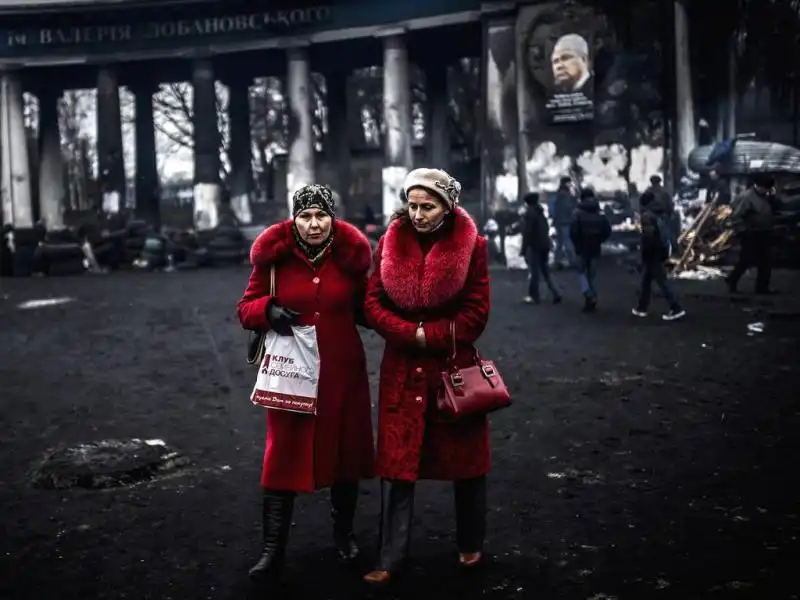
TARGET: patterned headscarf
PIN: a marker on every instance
(313, 196)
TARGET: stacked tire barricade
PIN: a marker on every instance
(708, 239)
(111, 246)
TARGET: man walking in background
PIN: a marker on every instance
(754, 218)
(588, 230)
(655, 248)
(561, 209)
(536, 247)
(665, 201)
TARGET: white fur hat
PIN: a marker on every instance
(435, 181)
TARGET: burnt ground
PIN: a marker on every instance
(641, 459)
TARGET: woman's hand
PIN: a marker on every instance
(281, 319)
(421, 337)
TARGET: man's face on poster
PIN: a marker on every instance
(570, 61)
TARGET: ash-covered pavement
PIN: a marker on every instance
(641, 460)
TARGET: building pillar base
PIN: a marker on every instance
(398, 159)
(110, 155)
(207, 188)
(301, 165)
(15, 175)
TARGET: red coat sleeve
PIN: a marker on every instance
(392, 328)
(252, 308)
(474, 307)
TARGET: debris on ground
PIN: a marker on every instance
(705, 240)
(701, 273)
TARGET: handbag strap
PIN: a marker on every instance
(272, 280)
(453, 342)
(452, 359)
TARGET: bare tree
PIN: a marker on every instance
(76, 115)
(127, 109)
(268, 125)
(173, 116)
(31, 114)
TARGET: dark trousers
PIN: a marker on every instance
(756, 251)
(397, 513)
(653, 271)
(539, 267)
(587, 273)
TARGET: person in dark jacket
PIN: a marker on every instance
(561, 209)
(664, 199)
(718, 191)
(659, 193)
(655, 248)
(536, 247)
(588, 230)
(753, 217)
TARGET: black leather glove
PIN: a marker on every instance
(281, 319)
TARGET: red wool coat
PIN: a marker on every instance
(305, 453)
(436, 283)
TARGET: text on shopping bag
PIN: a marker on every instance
(289, 374)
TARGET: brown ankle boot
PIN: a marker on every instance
(378, 577)
(469, 560)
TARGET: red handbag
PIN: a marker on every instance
(475, 390)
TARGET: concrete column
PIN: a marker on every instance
(15, 176)
(52, 190)
(240, 149)
(337, 143)
(148, 194)
(733, 59)
(207, 189)
(501, 148)
(437, 131)
(398, 159)
(686, 139)
(111, 161)
(301, 135)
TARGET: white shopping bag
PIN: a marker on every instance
(289, 374)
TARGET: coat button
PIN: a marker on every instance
(418, 399)
(316, 316)
(315, 280)
(419, 369)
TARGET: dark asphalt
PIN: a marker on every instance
(642, 460)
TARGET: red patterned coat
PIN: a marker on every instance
(435, 278)
(304, 453)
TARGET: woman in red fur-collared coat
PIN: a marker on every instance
(321, 267)
(431, 270)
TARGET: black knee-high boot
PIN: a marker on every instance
(277, 521)
(470, 500)
(397, 511)
(344, 498)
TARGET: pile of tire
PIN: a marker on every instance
(108, 247)
(60, 253)
(154, 253)
(116, 244)
(225, 245)
(20, 245)
(135, 233)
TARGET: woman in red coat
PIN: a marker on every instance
(321, 267)
(431, 270)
